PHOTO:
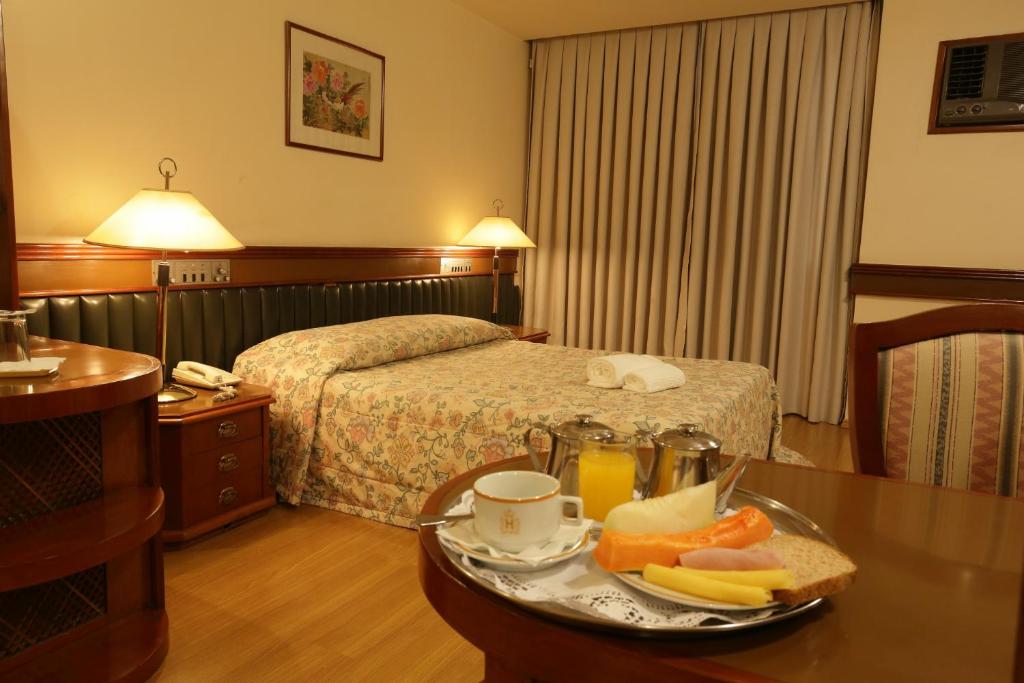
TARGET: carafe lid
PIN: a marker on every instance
(572, 429)
(687, 437)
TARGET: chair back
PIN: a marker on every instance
(938, 398)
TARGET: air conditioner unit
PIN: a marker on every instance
(982, 82)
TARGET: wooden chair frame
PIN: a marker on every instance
(868, 339)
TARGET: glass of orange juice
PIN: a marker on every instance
(607, 470)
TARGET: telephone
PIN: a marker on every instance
(204, 376)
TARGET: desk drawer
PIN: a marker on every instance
(222, 464)
(217, 432)
(232, 491)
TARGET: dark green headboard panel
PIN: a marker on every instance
(214, 325)
(120, 321)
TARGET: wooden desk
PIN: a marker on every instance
(936, 597)
(81, 565)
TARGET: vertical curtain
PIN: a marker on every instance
(608, 186)
(702, 196)
(778, 188)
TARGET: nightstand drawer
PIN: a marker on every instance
(232, 491)
(217, 432)
(214, 461)
(222, 464)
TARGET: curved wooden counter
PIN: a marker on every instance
(81, 563)
(92, 378)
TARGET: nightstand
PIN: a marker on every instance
(215, 461)
(530, 334)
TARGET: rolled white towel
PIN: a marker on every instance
(652, 378)
(609, 372)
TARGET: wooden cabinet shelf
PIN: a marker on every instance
(81, 509)
(130, 649)
(74, 539)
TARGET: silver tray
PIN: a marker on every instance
(786, 520)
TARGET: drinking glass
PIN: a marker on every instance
(607, 470)
(13, 336)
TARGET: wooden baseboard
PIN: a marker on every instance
(936, 282)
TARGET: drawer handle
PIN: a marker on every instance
(227, 462)
(228, 496)
(227, 429)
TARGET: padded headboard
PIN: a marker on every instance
(214, 325)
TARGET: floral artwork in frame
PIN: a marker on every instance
(334, 100)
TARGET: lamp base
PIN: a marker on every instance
(174, 393)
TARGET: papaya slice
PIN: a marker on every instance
(618, 551)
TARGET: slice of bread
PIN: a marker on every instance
(818, 568)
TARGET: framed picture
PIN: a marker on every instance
(334, 94)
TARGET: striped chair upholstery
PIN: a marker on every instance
(952, 409)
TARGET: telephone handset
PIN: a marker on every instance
(204, 376)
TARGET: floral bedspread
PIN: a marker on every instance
(371, 418)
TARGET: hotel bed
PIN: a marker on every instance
(371, 417)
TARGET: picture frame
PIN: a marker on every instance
(334, 94)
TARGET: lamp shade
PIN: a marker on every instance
(164, 220)
(497, 231)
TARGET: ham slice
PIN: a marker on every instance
(730, 559)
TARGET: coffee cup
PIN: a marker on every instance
(518, 508)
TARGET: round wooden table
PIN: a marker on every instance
(920, 609)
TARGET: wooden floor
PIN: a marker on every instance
(308, 594)
(827, 446)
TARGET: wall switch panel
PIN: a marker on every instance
(456, 265)
(198, 271)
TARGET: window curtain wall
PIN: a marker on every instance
(697, 190)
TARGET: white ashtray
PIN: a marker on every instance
(37, 367)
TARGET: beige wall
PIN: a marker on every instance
(871, 309)
(941, 200)
(99, 91)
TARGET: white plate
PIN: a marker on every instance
(637, 581)
(512, 564)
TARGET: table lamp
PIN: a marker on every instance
(497, 231)
(164, 220)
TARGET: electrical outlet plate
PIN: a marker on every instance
(198, 271)
(456, 265)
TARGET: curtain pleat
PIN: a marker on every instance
(608, 186)
(697, 190)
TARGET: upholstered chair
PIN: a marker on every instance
(938, 398)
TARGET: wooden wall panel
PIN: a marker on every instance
(935, 282)
(46, 269)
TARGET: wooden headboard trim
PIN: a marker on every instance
(63, 269)
(227, 285)
(50, 252)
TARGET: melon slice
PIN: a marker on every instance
(685, 510)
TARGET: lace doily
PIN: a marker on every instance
(582, 585)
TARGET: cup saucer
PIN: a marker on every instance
(468, 544)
